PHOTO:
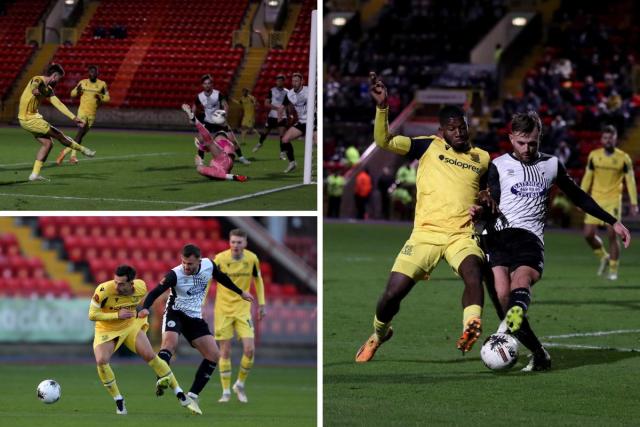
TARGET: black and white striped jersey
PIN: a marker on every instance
(188, 292)
(276, 97)
(522, 191)
(299, 102)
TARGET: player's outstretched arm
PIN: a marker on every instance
(226, 281)
(398, 144)
(623, 232)
(62, 108)
(167, 282)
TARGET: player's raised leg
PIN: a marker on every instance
(216, 171)
(398, 286)
(69, 142)
(206, 345)
(74, 158)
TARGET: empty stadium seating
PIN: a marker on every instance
(187, 40)
(19, 15)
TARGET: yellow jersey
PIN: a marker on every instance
(248, 106)
(241, 271)
(93, 94)
(29, 102)
(106, 303)
(447, 181)
(604, 173)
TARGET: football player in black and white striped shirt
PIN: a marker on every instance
(189, 284)
(519, 184)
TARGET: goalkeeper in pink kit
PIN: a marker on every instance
(220, 147)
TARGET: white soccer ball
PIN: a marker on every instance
(49, 391)
(499, 352)
(219, 117)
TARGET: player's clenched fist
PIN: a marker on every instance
(378, 90)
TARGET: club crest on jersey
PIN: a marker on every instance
(528, 189)
(475, 157)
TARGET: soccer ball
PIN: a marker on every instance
(49, 391)
(499, 352)
(219, 117)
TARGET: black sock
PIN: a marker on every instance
(527, 337)
(201, 154)
(165, 355)
(120, 404)
(238, 152)
(181, 396)
(520, 297)
(263, 136)
(289, 149)
(204, 372)
(281, 146)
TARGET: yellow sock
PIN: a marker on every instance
(108, 379)
(470, 312)
(161, 369)
(613, 265)
(37, 165)
(245, 366)
(380, 328)
(225, 374)
(600, 253)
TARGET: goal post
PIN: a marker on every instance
(311, 100)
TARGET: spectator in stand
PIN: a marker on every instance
(362, 193)
(563, 152)
(100, 32)
(119, 32)
(558, 130)
(589, 93)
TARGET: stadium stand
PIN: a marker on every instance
(15, 17)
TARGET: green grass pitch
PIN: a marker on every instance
(277, 397)
(419, 378)
(146, 171)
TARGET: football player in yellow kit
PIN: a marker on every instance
(451, 172)
(93, 92)
(606, 168)
(38, 89)
(113, 308)
(232, 313)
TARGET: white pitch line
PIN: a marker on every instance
(97, 159)
(246, 196)
(99, 199)
(594, 334)
(590, 347)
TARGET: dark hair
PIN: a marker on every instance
(280, 77)
(237, 232)
(190, 250)
(526, 123)
(610, 129)
(126, 270)
(297, 75)
(450, 112)
(54, 68)
(92, 67)
(206, 77)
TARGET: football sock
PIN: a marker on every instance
(613, 266)
(600, 252)
(238, 152)
(520, 297)
(263, 136)
(470, 312)
(201, 154)
(527, 337)
(225, 374)
(281, 145)
(245, 366)
(203, 374)
(380, 328)
(162, 369)
(108, 380)
(37, 165)
(165, 355)
(289, 150)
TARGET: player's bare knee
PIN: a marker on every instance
(249, 352)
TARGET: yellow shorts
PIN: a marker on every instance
(37, 126)
(88, 120)
(424, 249)
(126, 336)
(248, 122)
(613, 207)
(225, 325)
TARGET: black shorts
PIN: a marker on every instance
(190, 327)
(302, 127)
(273, 122)
(213, 128)
(512, 248)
